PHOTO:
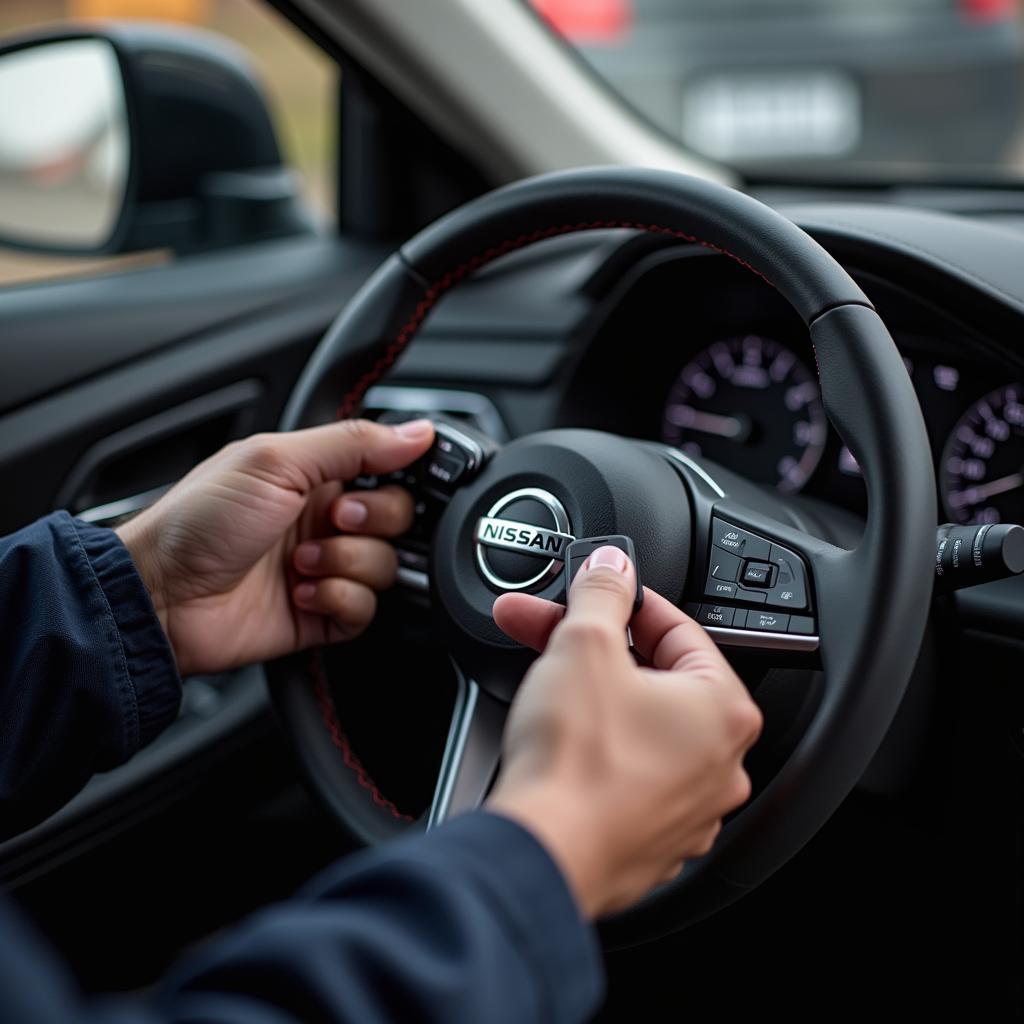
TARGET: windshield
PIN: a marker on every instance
(872, 90)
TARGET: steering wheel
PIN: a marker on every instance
(861, 611)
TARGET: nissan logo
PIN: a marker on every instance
(543, 545)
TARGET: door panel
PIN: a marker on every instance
(87, 360)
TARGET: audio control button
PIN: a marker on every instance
(738, 541)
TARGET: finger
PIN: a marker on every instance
(601, 598)
(362, 559)
(387, 512)
(672, 873)
(349, 605)
(527, 619)
(341, 451)
(666, 636)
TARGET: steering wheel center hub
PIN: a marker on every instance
(509, 529)
(521, 542)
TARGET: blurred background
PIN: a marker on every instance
(300, 82)
(826, 92)
(822, 90)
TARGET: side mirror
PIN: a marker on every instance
(138, 136)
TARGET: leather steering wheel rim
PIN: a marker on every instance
(875, 628)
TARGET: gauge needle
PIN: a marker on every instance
(735, 428)
(983, 492)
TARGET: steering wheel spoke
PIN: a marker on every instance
(471, 753)
(458, 454)
(760, 574)
(757, 583)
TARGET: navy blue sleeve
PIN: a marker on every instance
(471, 924)
(86, 674)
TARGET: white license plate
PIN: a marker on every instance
(771, 114)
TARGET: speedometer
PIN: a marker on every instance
(982, 477)
(753, 405)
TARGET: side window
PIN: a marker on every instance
(299, 81)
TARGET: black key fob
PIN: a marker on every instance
(580, 550)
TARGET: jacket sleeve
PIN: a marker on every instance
(471, 924)
(86, 674)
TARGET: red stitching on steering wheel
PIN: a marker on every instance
(453, 277)
(348, 756)
(408, 331)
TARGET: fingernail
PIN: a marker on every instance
(414, 429)
(307, 556)
(352, 513)
(305, 592)
(610, 557)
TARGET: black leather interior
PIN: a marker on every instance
(869, 648)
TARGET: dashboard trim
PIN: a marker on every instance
(763, 641)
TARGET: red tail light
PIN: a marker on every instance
(587, 21)
(988, 10)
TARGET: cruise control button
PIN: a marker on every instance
(719, 588)
(715, 615)
(448, 446)
(724, 566)
(790, 587)
(445, 469)
(802, 625)
(739, 542)
(767, 622)
(757, 574)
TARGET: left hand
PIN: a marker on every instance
(242, 558)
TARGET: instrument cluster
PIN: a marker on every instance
(751, 402)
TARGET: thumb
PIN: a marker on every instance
(603, 592)
(343, 450)
(527, 619)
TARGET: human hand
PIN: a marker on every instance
(623, 772)
(242, 557)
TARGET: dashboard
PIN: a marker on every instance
(728, 375)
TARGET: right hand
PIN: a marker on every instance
(623, 772)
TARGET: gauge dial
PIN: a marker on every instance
(982, 476)
(751, 404)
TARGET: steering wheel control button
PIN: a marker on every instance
(757, 574)
(445, 470)
(522, 541)
(790, 587)
(725, 566)
(582, 548)
(739, 542)
(721, 589)
(802, 625)
(767, 622)
(715, 615)
(455, 456)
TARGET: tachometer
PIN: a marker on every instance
(753, 405)
(982, 473)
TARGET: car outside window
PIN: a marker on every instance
(301, 84)
(871, 90)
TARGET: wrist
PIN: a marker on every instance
(135, 536)
(569, 837)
